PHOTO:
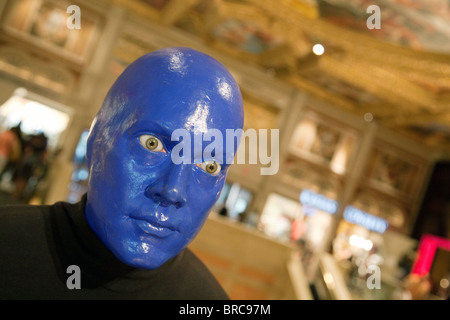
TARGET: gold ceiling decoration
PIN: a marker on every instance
(405, 89)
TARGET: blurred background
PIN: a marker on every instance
(360, 206)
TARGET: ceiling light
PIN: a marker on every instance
(318, 49)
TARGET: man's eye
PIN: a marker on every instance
(210, 167)
(151, 143)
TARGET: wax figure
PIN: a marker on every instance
(129, 234)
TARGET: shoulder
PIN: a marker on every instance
(24, 251)
(23, 224)
(15, 215)
(24, 230)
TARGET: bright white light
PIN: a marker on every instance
(35, 117)
(367, 245)
(360, 242)
(318, 49)
(328, 278)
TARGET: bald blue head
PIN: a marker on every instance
(145, 207)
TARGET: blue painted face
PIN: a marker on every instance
(143, 206)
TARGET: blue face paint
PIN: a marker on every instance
(143, 206)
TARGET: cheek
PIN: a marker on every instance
(118, 186)
(132, 171)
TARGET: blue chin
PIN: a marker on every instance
(143, 256)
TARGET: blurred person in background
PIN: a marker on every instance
(31, 168)
(10, 147)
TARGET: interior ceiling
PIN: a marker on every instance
(399, 73)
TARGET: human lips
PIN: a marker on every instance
(155, 227)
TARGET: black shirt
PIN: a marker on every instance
(39, 243)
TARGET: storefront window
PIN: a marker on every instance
(322, 143)
(278, 216)
(306, 220)
(233, 201)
